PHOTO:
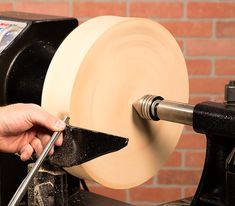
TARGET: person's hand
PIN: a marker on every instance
(25, 128)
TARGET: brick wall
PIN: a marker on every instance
(205, 31)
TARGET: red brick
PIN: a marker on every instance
(225, 67)
(211, 9)
(58, 8)
(194, 159)
(91, 183)
(145, 204)
(198, 66)
(179, 177)
(219, 98)
(189, 191)
(225, 29)
(174, 160)
(156, 9)
(149, 182)
(154, 194)
(192, 141)
(189, 28)
(207, 85)
(181, 44)
(188, 129)
(92, 9)
(115, 194)
(5, 6)
(218, 47)
(198, 99)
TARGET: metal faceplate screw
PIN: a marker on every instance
(229, 92)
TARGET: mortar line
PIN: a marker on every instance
(127, 7)
(70, 6)
(213, 35)
(128, 198)
(184, 17)
(14, 5)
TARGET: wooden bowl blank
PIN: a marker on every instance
(98, 72)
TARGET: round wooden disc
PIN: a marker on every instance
(98, 72)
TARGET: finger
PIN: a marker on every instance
(59, 141)
(37, 115)
(26, 152)
(37, 146)
(44, 139)
(51, 151)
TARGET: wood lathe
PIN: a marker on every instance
(105, 74)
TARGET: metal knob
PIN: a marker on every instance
(229, 92)
(156, 108)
